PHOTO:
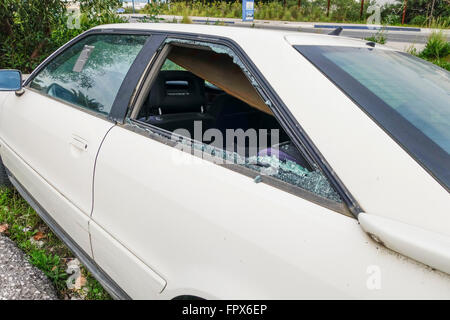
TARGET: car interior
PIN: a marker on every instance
(197, 84)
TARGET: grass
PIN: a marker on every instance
(437, 23)
(379, 37)
(42, 247)
(437, 50)
(437, 46)
(186, 19)
(310, 11)
(265, 11)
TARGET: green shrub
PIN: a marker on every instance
(287, 16)
(392, 19)
(442, 63)
(311, 10)
(418, 20)
(437, 50)
(437, 46)
(151, 10)
(31, 30)
(439, 23)
(295, 12)
(186, 19)
(379, 37)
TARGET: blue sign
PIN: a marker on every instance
(248, 10)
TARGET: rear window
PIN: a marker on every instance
(408, 97)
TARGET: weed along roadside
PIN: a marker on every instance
(437, 50)
(44, 250)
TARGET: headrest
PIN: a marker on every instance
(177, 91)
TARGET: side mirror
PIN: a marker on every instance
(10, 80)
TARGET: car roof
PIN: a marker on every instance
(249, 36)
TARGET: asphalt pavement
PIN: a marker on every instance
(19, 280)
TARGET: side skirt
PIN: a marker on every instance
(110, 286)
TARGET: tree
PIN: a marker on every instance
(419, 12)
(27, 25)
(32, 29)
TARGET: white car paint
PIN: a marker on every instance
(394, 185)
(45, 134)
(162, 230)
(429, 247)
(215, 233)
(65, 213)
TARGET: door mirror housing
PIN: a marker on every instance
(10, 80)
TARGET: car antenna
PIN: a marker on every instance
(336, 31)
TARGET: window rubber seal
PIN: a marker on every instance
(291, 126)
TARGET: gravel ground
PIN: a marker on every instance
(19, 280)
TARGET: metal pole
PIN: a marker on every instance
(404, 11)
(362, 9)
(133, 5)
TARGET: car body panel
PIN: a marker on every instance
(206, 228)
(382, 177)
(326, 40)
(128, 271)
(42, 131)
(62, 210)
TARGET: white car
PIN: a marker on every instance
(188, 161)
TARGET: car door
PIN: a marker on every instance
(190, 223)
(52, 132)
(216, 230)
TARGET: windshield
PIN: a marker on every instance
(408, 97)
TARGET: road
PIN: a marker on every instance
(399, 37)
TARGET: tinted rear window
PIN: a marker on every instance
(408, 97)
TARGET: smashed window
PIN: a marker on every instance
(220, 66)
(276, 164)
(206, 101)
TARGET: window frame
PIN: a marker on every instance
(293, 129)
(166, 137)
(414, 142)
(130, 74)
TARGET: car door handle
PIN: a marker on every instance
(79, 142)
